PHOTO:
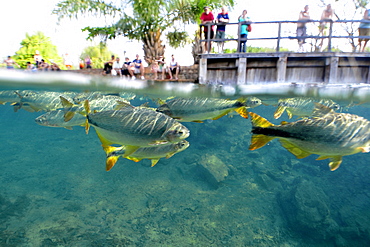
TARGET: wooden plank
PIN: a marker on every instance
(281, 69)
(203, 71)
(242, 71)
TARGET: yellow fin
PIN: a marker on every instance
(110, 162)
(105, 142)
(110, 149)
(130, 150)
(122, 104)
(66, 103)
(220, 116)
(68, 127)
(279, 111)
(197, 121)
(335, 162)
(87, 126)
(323, 157)
(242, 112)
(259, 141)
(258, 121)
(154, 162)
(290, 114)
(87, 107)
(297, 151)
(133, 159)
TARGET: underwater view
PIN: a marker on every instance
(116, 163)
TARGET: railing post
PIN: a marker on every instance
(278, 39)
(330, 35)
(239, 26)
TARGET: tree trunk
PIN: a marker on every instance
(153, 47)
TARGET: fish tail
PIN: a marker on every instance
(259, 140)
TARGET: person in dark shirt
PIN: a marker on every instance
(222, 17)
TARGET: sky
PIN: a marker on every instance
(23, 16)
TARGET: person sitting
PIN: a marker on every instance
(174, 68)
(126, 71)
(108, 66)
(31, 67)
(117, 67)
(159, 66)
(43, 65)
(137, 67)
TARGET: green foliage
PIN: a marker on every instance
(98, 54)
(38, 42)
(178, 39)
(71, 8)
(147, 16)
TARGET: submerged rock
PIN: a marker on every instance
(307, 212)
(212, 169)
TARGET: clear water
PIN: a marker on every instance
(54, 189)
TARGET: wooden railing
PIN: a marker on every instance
(330, 34)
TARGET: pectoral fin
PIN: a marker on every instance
(297, 151)
(154, 162)
(279, 111)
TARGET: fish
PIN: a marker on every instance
(151, 153)
(33, 101)
(99, 103)
(329, 134)
(302, 107)
(9, 96)
(56, 119)
(135, 127)
(200, 109)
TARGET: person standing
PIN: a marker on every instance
(207, 18)
(304, 16)
(10, 63)
(243, 31)
(326, 16)
(364, 30)
(88, 62)
(222, 17)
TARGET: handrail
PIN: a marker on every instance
(279, 36)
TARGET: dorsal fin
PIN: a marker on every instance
(321, 110)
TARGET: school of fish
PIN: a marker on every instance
(142, 132)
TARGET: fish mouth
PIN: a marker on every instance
(177, 135)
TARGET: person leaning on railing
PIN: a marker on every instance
(243, 31)
(364, 30)
(206, 18)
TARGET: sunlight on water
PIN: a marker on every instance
(220, 187)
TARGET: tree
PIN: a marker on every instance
(142, 20)
(98, 55)
(37, 42)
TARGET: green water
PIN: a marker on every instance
(54, 190)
